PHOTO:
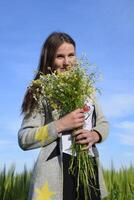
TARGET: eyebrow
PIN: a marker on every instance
(63, 53)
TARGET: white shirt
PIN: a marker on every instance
(67, 139)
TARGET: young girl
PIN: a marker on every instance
(50, 178)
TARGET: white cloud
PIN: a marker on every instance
(127, 139)
(129, 154)
(127, 125)
(10, 126)
(118, 105)
(7, 142)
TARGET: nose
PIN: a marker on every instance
(66, 61)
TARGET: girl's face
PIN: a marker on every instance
(65, 56)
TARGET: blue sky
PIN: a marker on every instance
(104, 30)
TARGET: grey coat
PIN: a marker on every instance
(47, 176)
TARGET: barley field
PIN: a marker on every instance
(14, 186)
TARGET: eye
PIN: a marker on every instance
(59, 56)
(71, 55)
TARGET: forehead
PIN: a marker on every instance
(65, 48)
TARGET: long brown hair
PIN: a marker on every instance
(47, 57)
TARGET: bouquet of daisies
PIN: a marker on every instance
(66, 92)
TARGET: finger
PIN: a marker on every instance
(79, 110)
(78, 119)
(81, 136)
(81, 131)
(84, 134)
(75, 133)
(79, 125)
(80, 116)
(82, 120)
(84, 141)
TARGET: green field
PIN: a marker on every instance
(14, 186)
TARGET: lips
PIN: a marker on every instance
(62, 69)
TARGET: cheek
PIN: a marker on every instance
(73, 60)
(58, 63)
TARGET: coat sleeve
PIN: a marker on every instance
(34, 133)
(102, 125)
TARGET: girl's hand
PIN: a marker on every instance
(70, 121)
(83, 136)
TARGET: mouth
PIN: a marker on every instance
(62, 69)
